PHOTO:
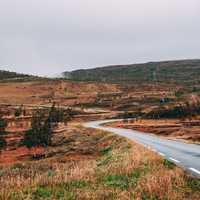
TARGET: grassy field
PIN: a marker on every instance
(46, 91)
(89, 164)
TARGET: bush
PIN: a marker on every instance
(179, 93)
(3, 124)
(18, 112)
(195, 89)
(2, 142)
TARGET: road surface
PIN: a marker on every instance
(180, 153)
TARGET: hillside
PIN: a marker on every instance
(7, 75)
(182, 71)
(44, 91)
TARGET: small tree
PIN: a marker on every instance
(58, 114)
(19, 111)
(38, 134)
(179, 93)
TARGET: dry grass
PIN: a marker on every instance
(119, 170)
(63, 92)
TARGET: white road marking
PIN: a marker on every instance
(195, 170)
(162, 154)
(177, 161)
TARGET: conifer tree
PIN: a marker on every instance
(3, 125)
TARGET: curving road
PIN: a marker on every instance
(182, 154)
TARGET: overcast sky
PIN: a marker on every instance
(51, 36)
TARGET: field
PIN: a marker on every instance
(47, 91)
(89, 164)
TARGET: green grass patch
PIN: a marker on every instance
(51, 173)
(62, 191)
(147, 196)
(168, 164)
(105, 150)
(117, 181)
(76, 184)
(122, 181)
(105, 161)
(42, 193)
(66, 195)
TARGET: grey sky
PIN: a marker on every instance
(50, 36)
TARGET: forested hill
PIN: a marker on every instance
(7, 75)
(181, 71)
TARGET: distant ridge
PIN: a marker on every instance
(14, 76)
(177, 71)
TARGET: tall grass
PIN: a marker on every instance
(123, 170)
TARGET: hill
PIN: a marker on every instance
(180, 71)
(9, 76)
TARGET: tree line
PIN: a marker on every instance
(182, 110)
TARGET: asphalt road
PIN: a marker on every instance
(180, 153)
